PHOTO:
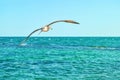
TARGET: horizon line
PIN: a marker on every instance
(61, 36)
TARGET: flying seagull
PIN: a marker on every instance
(47, 28)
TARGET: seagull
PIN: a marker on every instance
(47, 28)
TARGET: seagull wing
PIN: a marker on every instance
(71, 21)
(30, 35)
(67, 21)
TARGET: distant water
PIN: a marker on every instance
(60, 58)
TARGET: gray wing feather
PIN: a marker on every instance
(29, 35)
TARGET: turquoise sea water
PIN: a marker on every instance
(60, 58)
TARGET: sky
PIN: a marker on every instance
(96, 17)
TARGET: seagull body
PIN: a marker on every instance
(47, 28)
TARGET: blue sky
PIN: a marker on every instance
(97, 17)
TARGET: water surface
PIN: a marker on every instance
(60, 58)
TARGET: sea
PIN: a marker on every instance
(60, 58)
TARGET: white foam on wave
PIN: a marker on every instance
(103, 47)
(23, 44)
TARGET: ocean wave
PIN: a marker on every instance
(79, 47)
(57, 46)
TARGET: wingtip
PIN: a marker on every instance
(76, 22)
(71, 21)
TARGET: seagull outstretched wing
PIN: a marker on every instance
(29, 35)
(67, 21)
